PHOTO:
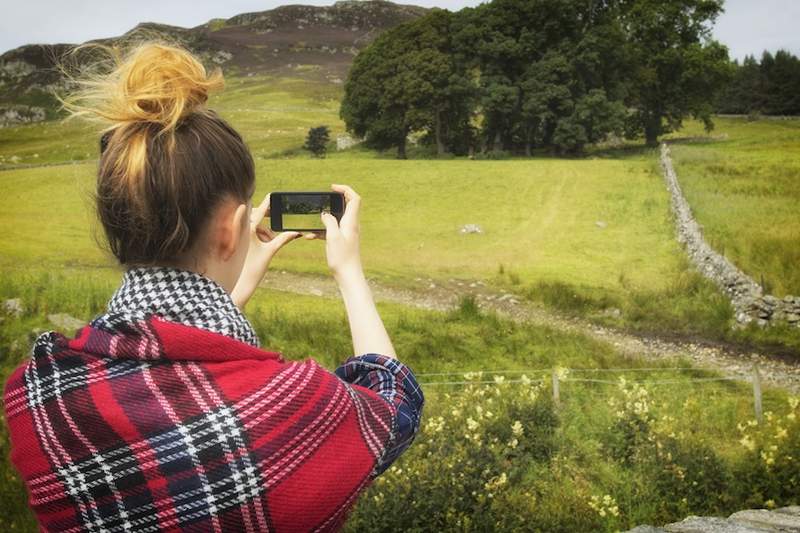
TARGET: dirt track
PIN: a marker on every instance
(732, 361)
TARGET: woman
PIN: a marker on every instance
(164, 414)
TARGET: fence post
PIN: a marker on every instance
(757, 393)
(556, 399)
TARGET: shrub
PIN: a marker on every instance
(317, 140)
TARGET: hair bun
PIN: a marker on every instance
(153, 83)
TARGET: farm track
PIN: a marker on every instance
(731, 360)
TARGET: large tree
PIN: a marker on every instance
(373, 106)
(408, 80)
(675, 67)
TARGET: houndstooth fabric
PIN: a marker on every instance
(178, 295)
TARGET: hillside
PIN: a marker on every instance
(321, 39)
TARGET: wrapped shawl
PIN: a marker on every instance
(164, 414)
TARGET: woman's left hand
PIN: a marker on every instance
(264, 244)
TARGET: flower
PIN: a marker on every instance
(516, 428)
(499, 379)
(747, 442)
(471, 424)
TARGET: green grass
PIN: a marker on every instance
(462, 340)
(537, 218)
(744, 189)
(584, 236)
(273, 115)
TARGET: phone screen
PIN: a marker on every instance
(302, 210)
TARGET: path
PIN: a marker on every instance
(427, 294)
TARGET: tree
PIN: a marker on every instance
(373, 106)
(675, 69)
(317, 140)
(412, 82)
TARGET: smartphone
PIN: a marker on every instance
(300, 211)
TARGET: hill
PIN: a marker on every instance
(322, 39)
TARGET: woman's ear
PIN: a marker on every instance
(231, 231)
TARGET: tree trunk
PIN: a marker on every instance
(651, 130)
(440, 150)
(401, 148)
(528, 142)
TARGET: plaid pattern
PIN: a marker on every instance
(394, 381)
(163, 414)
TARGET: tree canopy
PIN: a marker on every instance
(517, 75)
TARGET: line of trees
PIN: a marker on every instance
(769, 87)
(518, 75)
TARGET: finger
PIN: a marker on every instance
(331, 224)
(350, 217)
(261, 211)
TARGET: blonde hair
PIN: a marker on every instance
(151, 100)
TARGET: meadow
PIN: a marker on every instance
(612, 454)
(579, 236)
(743, 184)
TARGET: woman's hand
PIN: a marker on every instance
(264, 244)
(342, 237)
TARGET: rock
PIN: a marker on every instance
(792, 317)
(711, 524)
(747, 521)
(471, 228)
(65, 321)
(600, 224)
(764, 518)
(432, 286)
(13, 306)
(344, 141)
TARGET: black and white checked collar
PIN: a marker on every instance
(182, 296)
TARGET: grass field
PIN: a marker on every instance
(744, 188)
(273, 115)
(538, 220)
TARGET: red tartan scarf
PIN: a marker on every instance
(163, 414)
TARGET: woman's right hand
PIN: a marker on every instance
(341, 237)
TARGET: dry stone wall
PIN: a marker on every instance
(747, 296)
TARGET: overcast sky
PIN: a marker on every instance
(747, 26)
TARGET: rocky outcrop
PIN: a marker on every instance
(784, 519)
(747, 297)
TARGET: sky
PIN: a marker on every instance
(746, 27)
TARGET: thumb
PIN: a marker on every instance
(331, 224)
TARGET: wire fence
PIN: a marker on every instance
(557, 376)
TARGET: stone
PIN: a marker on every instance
(14, 306)
(65, 321)
(645, 528)
(600, 224)
(471, 228)
(764, 518)
(711, 524)
(792, 317)
(793, 510)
